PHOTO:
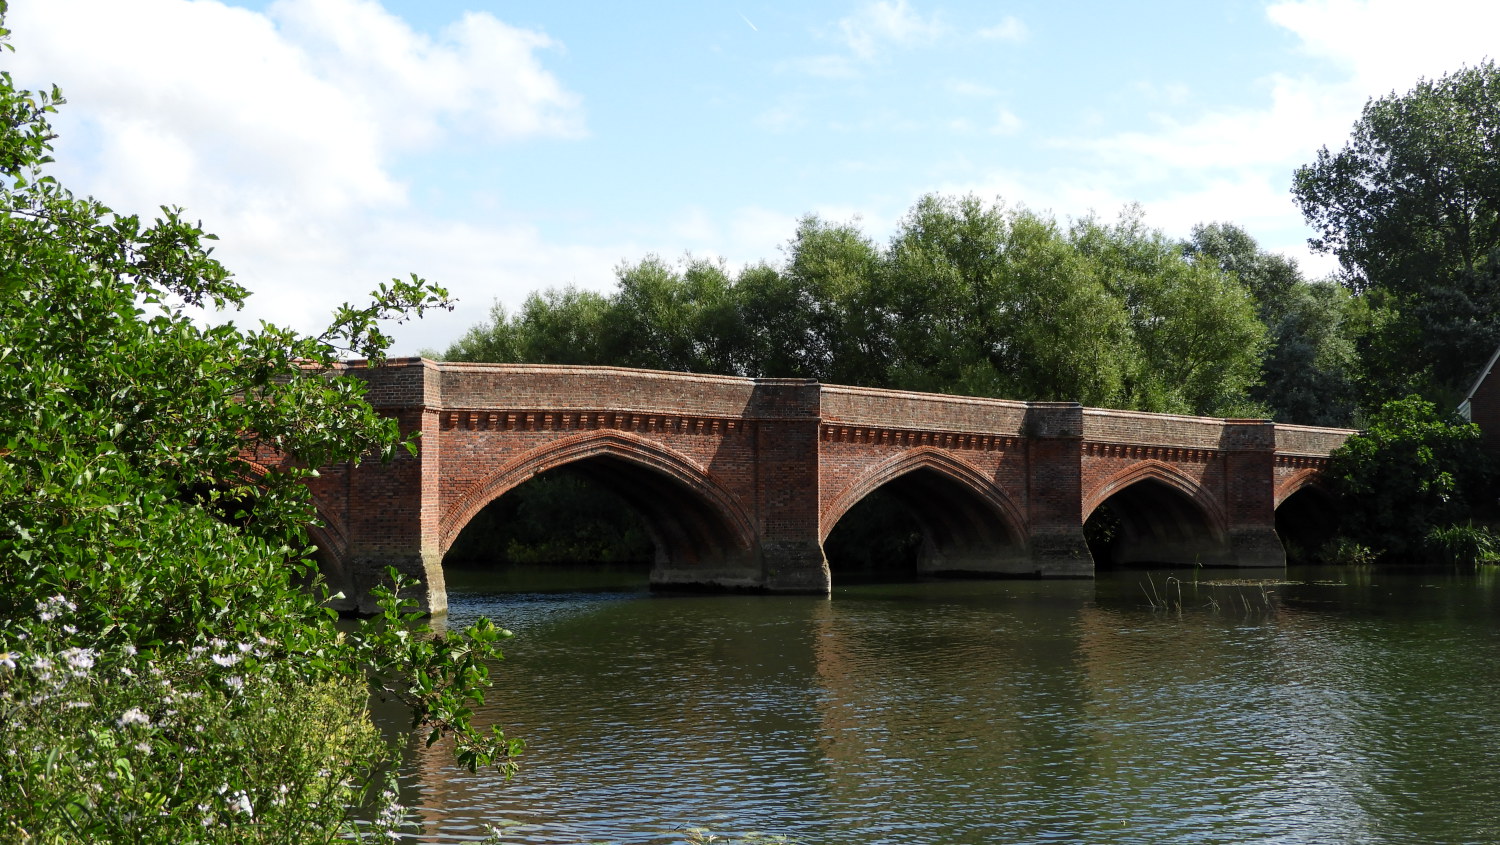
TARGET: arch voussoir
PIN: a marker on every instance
(1300, 480)
(968, 522)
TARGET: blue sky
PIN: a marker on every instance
(499, 147)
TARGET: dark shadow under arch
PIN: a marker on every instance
(1305, 521)
(926, 519)
(699, 536)
(1150, 522)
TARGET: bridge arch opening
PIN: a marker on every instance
(1306, 520)
(603, 512)
(564, 529)
(1150, 522)
(924, 522)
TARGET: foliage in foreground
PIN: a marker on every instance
(165, 675)
(1409, 485)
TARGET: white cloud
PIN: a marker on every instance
(1236, 164)
(1009, 29)
(284, 132)
(823, 67)
(885, 23)
(1006, 123)
(1386, 45)
(968, 88)
(481, 72)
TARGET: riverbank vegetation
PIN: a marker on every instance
(166, 674)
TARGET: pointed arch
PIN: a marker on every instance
(683, 473)
(940, 462)
(1162, 473)
(1311, 477)
(1151, 513)
(1307, 514)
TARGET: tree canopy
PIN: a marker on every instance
(1409, 482)
(967, 297)
(1411, 208)
(1311, 370)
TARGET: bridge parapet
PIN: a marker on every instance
(564, 388)
(1139, 428)
(398, 382)
(900, 409)
(1310, 441)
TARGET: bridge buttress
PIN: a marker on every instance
(392, 508)
(1054, 451)
(787, 426)
(1249, 448)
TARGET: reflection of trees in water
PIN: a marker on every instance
(557, 517)
(1007, 711)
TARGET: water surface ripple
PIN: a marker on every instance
(1334, 708)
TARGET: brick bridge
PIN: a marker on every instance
(739, 481)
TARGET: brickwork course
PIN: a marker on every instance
(739, 481)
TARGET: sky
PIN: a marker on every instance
(500, 147)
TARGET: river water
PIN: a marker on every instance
(1327, 706)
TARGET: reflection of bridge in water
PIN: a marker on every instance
(739, 481)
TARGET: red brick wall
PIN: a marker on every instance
(759, 471)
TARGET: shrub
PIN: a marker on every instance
(165, 675)
(1411, 472)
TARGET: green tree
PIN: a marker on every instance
(1411, 474)
(558, 326)
(1310, 373)
(996, 303)
(811, 318)
(967, 298)
(156, 634)
(663, 317)
(1194, 327)
(1411, 208)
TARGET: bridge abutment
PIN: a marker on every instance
(392, 507)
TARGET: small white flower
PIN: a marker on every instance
(49, 609)
(226, 660)
(134, 716)
(235, 682)
(80, 659)
(129, 649)
(143, 747)
(8, 660)
(240, 803)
